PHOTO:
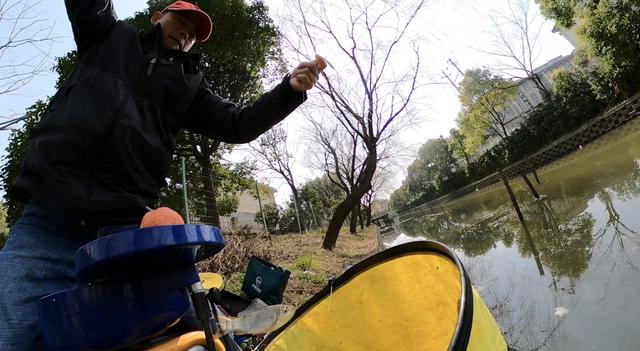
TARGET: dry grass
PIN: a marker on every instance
(237, 251)
(302, 254)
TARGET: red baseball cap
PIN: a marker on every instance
(204, 26)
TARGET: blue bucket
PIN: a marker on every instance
(132, 286)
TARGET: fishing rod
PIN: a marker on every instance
(5, 125)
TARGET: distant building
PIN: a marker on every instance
(379, 207)
(248, 207)
(568, 34)
(525, 99)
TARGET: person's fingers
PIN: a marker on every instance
(314, 69)
(308, 73)
(309, 67)
(320, 63)
(305, 80)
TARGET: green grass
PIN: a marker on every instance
(304, 263)
(309, 277)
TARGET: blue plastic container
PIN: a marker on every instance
(140, 252)
(132, 286)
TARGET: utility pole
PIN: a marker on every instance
(184, 192)
(450, 61)
(527, 234)
(314, 214)
(295, 204)
(264, 220)
(456, 66)
(451, 81)
(6, 125)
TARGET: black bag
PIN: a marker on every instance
(265, 281)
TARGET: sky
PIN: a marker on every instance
(447, 29)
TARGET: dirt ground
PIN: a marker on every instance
(302, 254)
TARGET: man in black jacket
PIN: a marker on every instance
(102, 151)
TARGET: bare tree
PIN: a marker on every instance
(271, 151)
(380, 185)
(368, 95)
(619, 231)
(516, 39)
(22, 31)
(340, 155)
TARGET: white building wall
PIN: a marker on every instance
(568, 34)
(245, 215)
(525, 99)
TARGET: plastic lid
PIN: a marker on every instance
(146, 251)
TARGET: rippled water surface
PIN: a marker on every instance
(573, 282)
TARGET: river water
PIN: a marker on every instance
(573, 283)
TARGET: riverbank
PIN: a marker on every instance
(575, 140)
(302, 254)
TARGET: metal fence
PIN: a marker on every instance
(247, 217)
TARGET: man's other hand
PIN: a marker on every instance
(305, 76)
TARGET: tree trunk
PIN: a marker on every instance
(368, 212)
(342, 210)
(353, 223)
(337, 219)
(210, 205)
(361, 216)
(538, 82)
(504, 130)
(464, 152)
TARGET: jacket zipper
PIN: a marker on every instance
(152, 62)
(157, 42)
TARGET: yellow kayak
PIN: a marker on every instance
(415, 296)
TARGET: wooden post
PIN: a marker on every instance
(531, 187)
(533, 170)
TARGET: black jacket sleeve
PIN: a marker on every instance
(90, 21)
(222, 120)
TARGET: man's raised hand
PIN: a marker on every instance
(305, 76)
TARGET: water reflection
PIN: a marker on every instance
(616, 231)
(581, 252)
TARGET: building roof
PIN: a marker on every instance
(553, 63)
